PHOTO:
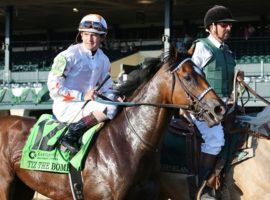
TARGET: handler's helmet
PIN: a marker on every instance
(93, 23)
(217, 14)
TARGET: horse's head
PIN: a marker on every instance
(189, 81)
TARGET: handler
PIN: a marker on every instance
(217, 61)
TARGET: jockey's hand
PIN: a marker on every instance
(120, 99)
(89, 95)
(240, 76)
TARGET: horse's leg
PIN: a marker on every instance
(12, 188)
(6, 178)
(173, 186)
(144, 191)
(18, 190)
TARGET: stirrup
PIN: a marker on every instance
(207, 196)
(204, 192)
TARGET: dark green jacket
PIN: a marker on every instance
(220, 68)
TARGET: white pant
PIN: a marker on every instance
(213, 137)
(73, 112)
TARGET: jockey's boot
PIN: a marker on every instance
(207, 163)
(71, 139)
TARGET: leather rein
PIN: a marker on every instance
(195, 102)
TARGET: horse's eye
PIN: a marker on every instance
(187, 77)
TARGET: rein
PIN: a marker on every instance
(147, 144)
(242, 83)
(247, 87)
(105, 100)
(258, 135)
(196, 105)
(195, 102)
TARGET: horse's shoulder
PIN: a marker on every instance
(11, 119)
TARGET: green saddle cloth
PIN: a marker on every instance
(41, 151)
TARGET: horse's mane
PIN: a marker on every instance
(139, 76)
(148, 69)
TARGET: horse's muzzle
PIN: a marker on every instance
(215, 114)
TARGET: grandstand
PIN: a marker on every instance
(27, 89)
(253, 57)
(30, 71)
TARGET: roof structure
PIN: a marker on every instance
(65, 14)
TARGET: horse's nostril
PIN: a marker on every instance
(219, 110)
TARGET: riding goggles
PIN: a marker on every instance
(94, 25)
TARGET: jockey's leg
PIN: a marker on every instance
(76, 130)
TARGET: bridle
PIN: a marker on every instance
(196, 106)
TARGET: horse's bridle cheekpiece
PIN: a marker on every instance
(196, 105)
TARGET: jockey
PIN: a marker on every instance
(75, 74)
(217, 61)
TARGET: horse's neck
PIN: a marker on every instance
(148, 121)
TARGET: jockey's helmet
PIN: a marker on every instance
(217, 14)
(93, 23)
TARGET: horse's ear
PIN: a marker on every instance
(173, 52)
(191, 50)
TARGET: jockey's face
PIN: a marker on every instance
(91, 41)
(221, 31)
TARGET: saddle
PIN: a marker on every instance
(181, 126)
(182, 138)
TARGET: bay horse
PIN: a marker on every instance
(122, 162)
